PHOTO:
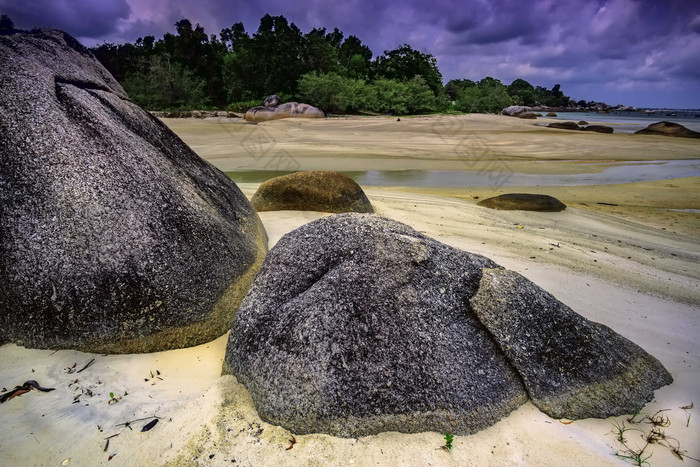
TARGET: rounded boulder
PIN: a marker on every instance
(324, 191)
(524, 202)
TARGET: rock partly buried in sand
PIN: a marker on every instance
(582, 122)
(523, 202)
(287, 110)
(528, 115)
(358, 324)
(515, 110)
(668, 129)
(116, 237)
(598, 128)
(564, 126)
(571, 367)
(311, 191)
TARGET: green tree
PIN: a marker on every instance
(404, 63)
(6, 25)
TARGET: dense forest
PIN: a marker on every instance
(236, 70)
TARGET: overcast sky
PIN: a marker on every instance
(644, 53)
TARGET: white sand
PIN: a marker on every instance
(642, 281)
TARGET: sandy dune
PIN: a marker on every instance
(633, 267)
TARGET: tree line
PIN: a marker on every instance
(237, 70)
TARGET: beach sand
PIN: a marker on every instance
(633, 267)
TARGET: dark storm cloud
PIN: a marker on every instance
(81, 18)
(596, 49)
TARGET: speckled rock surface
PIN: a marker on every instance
(311, 191)
(358, 324)
(524, 202)
(116, 236)
(572, 367)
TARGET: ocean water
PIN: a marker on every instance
(629, 122)
(621, 172)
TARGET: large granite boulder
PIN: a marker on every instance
(523, 202)
(571, 367)
(116, 236)
(668, 129)
(287, 110)
(311, 191)
(358, 324)
(515, 110)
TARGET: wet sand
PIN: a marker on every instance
(633, 267)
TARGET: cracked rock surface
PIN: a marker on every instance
(358, 324)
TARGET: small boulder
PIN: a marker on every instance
(515, 110)
(668, 129)
(286, 110)
(564, 126)
(551, 114)
(311, 191)
(523, 202)
(116, 236)
(582, 122)
(598, 128)
(527, 115)
(271, 101)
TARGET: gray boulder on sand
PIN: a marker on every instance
(311, 191)
(528, 115)
(116, 236)
(523, 202)
(358, 324)
(287, 110)
(668, 129)
(515, 110)
(564, 126)
(572, 367)
(598, 128)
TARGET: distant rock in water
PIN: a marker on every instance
(116, 236)
(311, 191)
(598, 128)
(287, 110)
(358, 324)
(668, 129)
(515, 110)
(564, 126)
(551, 114)
(524, 202)
(271, 101)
